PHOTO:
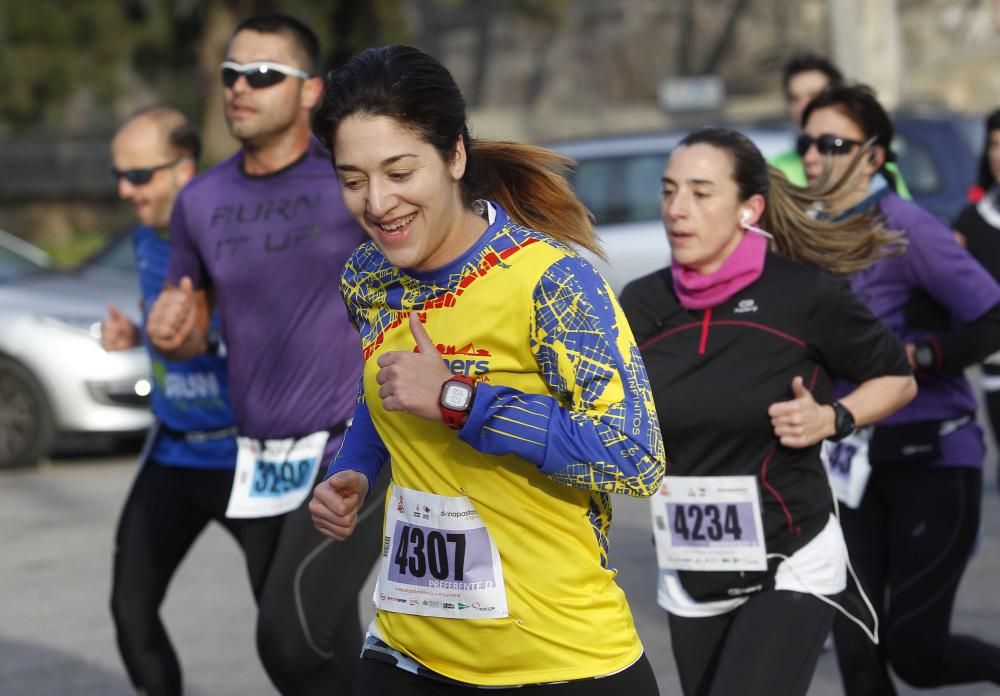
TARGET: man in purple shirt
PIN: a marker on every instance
(262, 237)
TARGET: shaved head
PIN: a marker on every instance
(154, 153)
(177, 134)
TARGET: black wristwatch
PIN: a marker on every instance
(843, 422)
(213, 343)
(924, 357)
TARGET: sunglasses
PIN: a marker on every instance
(262, 73)
(141, 175)
(826, 144)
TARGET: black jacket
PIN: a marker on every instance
(715, 372)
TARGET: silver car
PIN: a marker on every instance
(618, 179)
(55, 379)
(19, 258)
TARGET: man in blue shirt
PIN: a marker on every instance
(186, 469)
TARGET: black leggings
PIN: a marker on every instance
(769, 645)
(910, 542)
(992, 399)
(308, 629)
(378, 678)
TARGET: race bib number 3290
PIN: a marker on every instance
(274, 476)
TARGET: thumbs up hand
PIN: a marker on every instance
(173, 316)
(801, 422)
(411, 381)
(117, 330)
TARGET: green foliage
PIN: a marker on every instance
(55, 52)
(69, 253)
(48, 50)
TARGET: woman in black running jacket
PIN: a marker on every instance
(742, 347)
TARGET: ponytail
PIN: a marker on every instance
(406, 84)
(530, 183)
(842, 246)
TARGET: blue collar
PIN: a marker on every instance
(867, 204)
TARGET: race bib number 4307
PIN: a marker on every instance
(438, 559)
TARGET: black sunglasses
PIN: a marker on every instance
(826, 144)
(140, 175)
(263, 73)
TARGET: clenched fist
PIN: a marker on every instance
(336, 501)
(173, 318)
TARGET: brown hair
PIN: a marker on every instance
(842, 246)
(413, 88)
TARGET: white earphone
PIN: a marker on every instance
(744, 216)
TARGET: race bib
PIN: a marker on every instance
(274, 476)
(847, 466)
(438, 559)
(708, 523)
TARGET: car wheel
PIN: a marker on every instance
(25, 422)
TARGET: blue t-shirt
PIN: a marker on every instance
(192, 395)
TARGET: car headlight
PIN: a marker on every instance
(81, 324)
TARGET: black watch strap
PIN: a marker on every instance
(843, 422)
(213, 343)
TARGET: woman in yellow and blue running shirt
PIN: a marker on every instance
(494, 568)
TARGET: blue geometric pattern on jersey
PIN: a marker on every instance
(370, 281)
(578, 437)
(614, 448)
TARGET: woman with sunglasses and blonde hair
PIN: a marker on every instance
(910, 530)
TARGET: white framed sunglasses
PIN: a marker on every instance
(259, 74)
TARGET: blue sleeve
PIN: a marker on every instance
(362, 449)
(597, 428)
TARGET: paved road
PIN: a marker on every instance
(56, 527)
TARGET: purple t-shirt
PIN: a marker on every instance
(935, 266)
(270, 250)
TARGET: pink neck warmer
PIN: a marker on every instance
(743, 267)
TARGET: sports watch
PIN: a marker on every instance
(925, 357)
(456, 400)
(843, 422)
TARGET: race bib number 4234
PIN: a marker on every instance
(708, 523)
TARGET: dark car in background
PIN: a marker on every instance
(938, 158)
(618, 179)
